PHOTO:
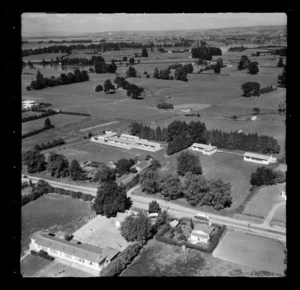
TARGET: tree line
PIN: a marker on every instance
(181, 135)
(205, 52)
(42, 82)
(49, 144)
(267, 176)
(43, 115)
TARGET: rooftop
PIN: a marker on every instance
(204, 228)
(255, 155)
(129, 136)
(118, 139)
(84, 251)
(108, 134)
(204, 146)
(146, 142)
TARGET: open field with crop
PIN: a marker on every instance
(52, 210)
(30, 265)
(257, 252)
(161, 259)
(264, 200)
(101, 232)
(59, 120)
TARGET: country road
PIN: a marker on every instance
(178, 211)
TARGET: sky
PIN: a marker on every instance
(43, 24)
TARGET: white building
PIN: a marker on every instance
(205, 149)
(121, 216)
(174, 223)
(126, 141)
(259, 158)
(28, 104)
(84, 254)
(201, 234)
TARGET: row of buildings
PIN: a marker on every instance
(74, 251)
(248, 156)
(126, 141)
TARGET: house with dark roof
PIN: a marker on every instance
(84, 254)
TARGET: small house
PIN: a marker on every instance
(205, 149)
(259, 158)
(201, 233)
(174, 223)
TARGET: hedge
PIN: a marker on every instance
(74, 113)
(120, 263)
(35, 117)
(49, 144)
(36, 132)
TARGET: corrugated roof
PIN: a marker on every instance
(255, 155)
(204, 146)
(84, 251)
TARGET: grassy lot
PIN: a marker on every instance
(51, 210)
(161, 259)
(264, 200)
(61, 268)
(30, 265)
(101, 232)
(259, 253)
(279, 218)
(59, 120)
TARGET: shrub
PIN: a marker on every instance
(179, 230)
(99, 88)
(165, 106)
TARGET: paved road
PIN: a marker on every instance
(179, 211)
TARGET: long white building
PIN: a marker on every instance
(259, 158)
(205, 149)
(28, 104)
(126, 141)
(84, 254)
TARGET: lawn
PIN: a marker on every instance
(257, 252)
(264, 200)
(52, 210)
(30, 265)
(101, 232)
(279, 218)
(161, 259)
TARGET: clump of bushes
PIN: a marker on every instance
(266, 176)
(267, 89)
(165, 106)
(44, 146)
(35, 117)
(42, 254)
(99, 88)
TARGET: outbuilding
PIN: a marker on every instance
(204, 148)
(259, 158)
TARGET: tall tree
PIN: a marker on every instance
(111, 199)
(104, 174)
(282, 78)
(188, 162)
(58, 165)
(76, 172)
(131, 72)
(34, 160)
(154, 207)
(136, 228)
(170, 186)
(253, 68)
(217, 68)
(158, 135)
(194, 188)
(149, 181)
(144, 52)
(280, 62)
(108, 86)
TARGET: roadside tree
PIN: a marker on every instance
(76, 172)
(154, 207)
(58, 165)
(111, 199)
(149, 181)
(104, 174)
(170, 186)
(34, 160)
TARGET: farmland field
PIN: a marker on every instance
(264, 200)
(161, 259)
(253, 251)
(52, 210)
(59, 120)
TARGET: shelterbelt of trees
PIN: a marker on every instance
(181, 135)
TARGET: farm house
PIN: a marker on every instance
(201, 234)
(84, 254)
(205, 149)
(259, 158)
